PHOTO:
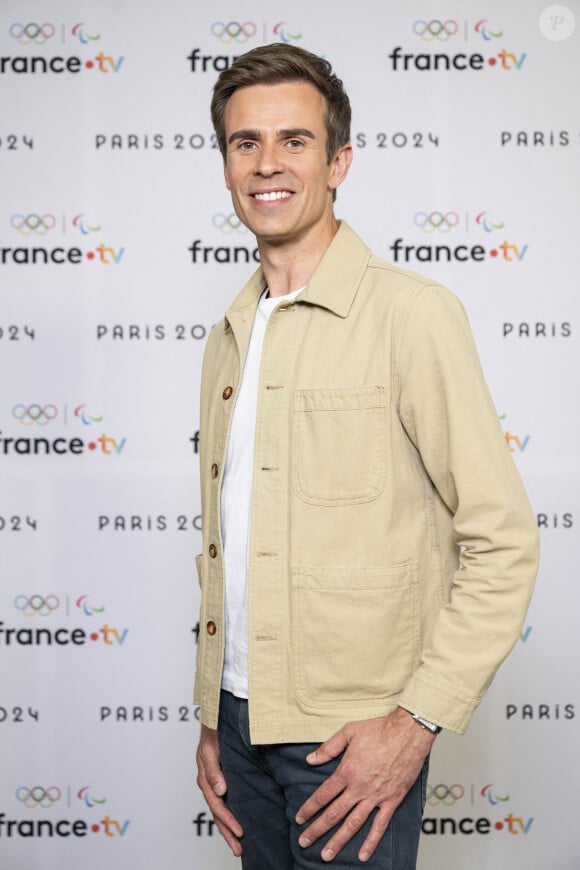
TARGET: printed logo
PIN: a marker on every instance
(282, 32)
(516, 443)
(555, 520)
(39, 35)
(141, 713)
(203, 824)
(240, 35)
(233, 31)
(446, 795)
(436, 33)
(432, 30)
(47, 801)
(84, 38)
(41, 225)
(35, 224)
(49, 608)
(37, 414)
(26, 34)
(451, 223)
(462, 798)
(537, 329)
(148, 523)
(538, 138)
(534, 712)
(227, 224)
(136, 333)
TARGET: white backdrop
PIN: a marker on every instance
(118, 251)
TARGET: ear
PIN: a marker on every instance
(227, 176)
(339, 166)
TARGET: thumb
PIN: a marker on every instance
(214, 775)
(332, 747)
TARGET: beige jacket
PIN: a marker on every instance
(393, 550)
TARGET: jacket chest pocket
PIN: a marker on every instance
(339, 445)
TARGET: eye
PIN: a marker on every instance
(294, 144)
(246, 145)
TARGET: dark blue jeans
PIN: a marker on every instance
(268, 784)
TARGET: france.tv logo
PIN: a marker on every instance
(37, 35)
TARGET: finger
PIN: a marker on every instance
(230, 838)
(351, 826)
(324, 794)
(330, 818)
(218, 807)
(380, 824)
(331, 748)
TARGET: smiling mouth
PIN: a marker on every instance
(272, 195)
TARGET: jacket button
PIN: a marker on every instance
(214, 470)
(212, 550)
(227, 392)
(211, 628)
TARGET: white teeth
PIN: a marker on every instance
(269, 197)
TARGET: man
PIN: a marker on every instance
(369, 552)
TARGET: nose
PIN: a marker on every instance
(269, 159)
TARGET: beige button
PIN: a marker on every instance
(212, 550)
(214, 470)
(211, 628)
(227, 392)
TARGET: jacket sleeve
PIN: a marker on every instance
(447, 412)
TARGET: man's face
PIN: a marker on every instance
(276, 167)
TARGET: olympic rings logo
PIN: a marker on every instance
(35, 414)
(434, 29)
(443, 794)
(436, 221)
(36, 605)
(233, 31)
(33, 223)
(27, 33)
(37, 796)
(228, 223)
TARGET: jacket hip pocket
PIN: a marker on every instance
(355, 633)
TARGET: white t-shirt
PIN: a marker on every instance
(236, 505)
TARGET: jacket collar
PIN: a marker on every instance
(333, 285)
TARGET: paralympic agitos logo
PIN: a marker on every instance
(38, 613)
(31, 36)
(50, 800)
(34, 227)
(35, 415)
(445, 226)
(435, 33)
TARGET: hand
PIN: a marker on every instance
(382, 759)
(211, 780)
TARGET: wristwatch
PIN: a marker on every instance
(424, 723)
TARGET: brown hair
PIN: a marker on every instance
(276, 63)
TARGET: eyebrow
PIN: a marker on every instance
(283, 134)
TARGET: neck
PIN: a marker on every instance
(289, 266)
